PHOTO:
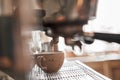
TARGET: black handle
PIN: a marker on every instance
(107, 37)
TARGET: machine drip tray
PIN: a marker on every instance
(71, 70)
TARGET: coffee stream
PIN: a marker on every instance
(50, 46)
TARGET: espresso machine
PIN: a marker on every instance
(55, 17)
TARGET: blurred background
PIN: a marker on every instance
(102, 56)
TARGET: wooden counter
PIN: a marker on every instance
(110, 68)
(108, 65)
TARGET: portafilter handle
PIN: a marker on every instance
(89, 37)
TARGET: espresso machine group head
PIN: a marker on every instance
(66, 18)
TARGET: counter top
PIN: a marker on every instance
(94, 58)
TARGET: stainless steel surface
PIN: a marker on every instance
(71, 70)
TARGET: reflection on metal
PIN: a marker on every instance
(93, 9)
